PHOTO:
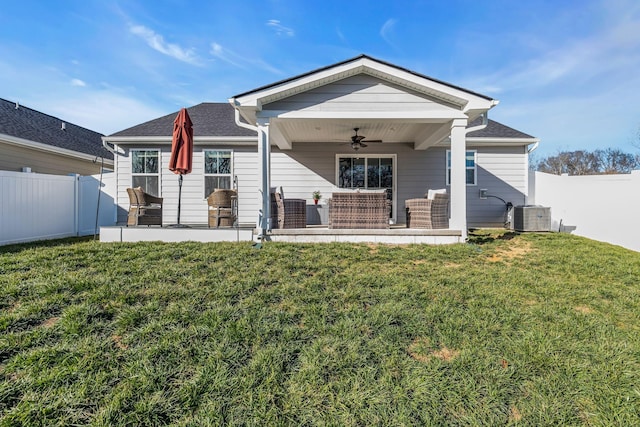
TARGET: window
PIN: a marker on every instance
(217, 170)
(470, 163)
(145, 170)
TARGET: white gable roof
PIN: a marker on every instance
(466, 101)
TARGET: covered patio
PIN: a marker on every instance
(306, 141)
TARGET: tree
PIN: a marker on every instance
(583, 163)
(580, 162)
(616, 161)
(552, 164)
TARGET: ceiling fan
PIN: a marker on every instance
(358, 141)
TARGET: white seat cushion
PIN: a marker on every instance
(431, 193)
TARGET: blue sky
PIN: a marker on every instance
(566, 71)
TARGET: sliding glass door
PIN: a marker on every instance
(368, 172)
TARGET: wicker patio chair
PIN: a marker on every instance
(359, 210)
(144, 209)
(222, 208)
(288, 213)
(428, 213)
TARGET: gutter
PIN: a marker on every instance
(241, 123)
(485, 122)
(146, 140)
(110, 149)
(533, 148)
(47, 148)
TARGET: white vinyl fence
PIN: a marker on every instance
(600, 207)
(39, 207)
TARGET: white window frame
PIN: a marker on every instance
(447, 165)
(394, 163)
(204, 168)
(157, 174)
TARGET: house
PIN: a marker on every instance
(298, 134)
(31, 141)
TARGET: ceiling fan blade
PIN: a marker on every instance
(362, 145)
(372, 140)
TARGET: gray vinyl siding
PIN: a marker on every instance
(357, 93)
(13, 158)
(503, 172)
(312, 166)
(193, 208)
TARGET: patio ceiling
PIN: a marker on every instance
(341, 130)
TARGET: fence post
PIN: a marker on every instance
(76, 201)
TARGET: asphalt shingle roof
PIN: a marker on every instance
(208, 118)
(495, 130)
(217, 119)
(32, 125)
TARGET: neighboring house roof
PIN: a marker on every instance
(28, 125)
(208, 118)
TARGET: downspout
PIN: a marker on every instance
(255, 129)
(113, 151)
(95, 229)
(530, 174)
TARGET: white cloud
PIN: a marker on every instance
(387, 30)
(240, 61)
(280, 29)
(575, 93)
(227, 56)
(579, 64)
(78, 82)
(156, 41)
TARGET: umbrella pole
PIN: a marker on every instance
(179, 196)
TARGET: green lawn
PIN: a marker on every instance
(530, 329)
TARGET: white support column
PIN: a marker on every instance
(264, 174)
(458, 220)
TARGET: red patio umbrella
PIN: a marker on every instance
(181, 150)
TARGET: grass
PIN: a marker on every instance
(530, 329)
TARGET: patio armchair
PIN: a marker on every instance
(222, 208)
(430, 213)
(287, 213)
(144, 209)
(368, 210)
